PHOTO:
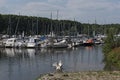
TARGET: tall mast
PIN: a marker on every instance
(51, 29)
(17, 24)
(88, 29)
(57, 26)
(9, 26)
(57, 14)
(37, 25)
(75, 25)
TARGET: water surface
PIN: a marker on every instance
(28, 64)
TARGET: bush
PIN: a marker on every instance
(113, 60)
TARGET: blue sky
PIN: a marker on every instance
(103, 11)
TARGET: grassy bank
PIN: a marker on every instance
(100, 75)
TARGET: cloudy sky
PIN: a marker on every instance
(103, 11)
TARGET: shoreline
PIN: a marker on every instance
(88, 75)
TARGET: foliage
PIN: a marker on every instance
(111, 50)
(38, 25)
(109, 41)
(117, 42)
(113, 60)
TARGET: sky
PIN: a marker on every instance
(84, 11)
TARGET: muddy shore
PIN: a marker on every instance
(99, 75)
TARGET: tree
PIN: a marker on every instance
(109, 41)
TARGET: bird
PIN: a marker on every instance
(58, 65)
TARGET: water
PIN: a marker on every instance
(28, 64)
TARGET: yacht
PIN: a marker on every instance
(13, 42)
(32, 42)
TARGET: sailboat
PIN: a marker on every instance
(12, 41)
(54, 42)
(60, 44)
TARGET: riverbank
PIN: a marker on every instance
(98, 75)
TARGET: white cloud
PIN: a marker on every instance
(39, 9)
(89, 5)
(82, 10)
(56, 1)
(91, 9)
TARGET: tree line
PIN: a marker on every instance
(31, 25)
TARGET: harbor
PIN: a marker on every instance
(41, 41)
(44, 47)
(59, 40)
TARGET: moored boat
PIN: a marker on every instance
(13, 43)
(32, 42)
(88, 42)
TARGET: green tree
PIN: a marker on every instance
(113, 60)
(109, 41)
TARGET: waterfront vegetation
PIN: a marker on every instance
(113, 60)
(16, 24)
(111, 51)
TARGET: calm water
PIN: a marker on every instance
(28, 64)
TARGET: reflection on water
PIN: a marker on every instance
(27, 64)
